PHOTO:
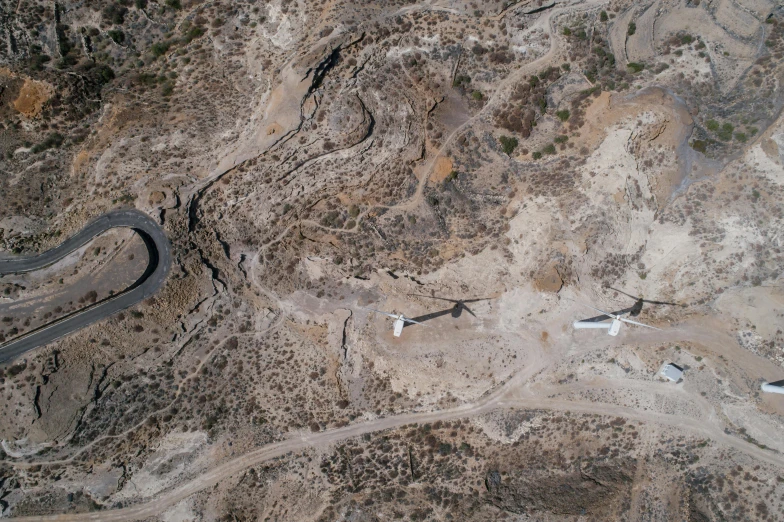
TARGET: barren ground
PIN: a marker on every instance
(311, 160)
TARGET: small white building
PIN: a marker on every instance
(672, 372)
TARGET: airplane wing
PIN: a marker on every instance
(638, 324)
(380, 312)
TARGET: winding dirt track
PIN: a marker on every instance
(500, 93)
(514, 394)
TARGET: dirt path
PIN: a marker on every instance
(515, 393)
(498, 96)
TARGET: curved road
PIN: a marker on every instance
(148, 284)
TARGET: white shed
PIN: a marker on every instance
(672, 372)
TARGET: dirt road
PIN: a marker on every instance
(515, 393)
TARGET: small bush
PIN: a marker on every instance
(536, 155)
(699, 145)
(712, 125)
(741, 137)
(725, 133)
(159, 48)
(461, 80)
(114, 14)
(603, 16)
(52, 141)
(563, 115)
(567, 31)
(635, 67)
(193, 33)
(549, 149)
(632, 28)
(508, 145)
(116, 35)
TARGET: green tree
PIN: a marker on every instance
(508, 145)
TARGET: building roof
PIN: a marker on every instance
(672, 372)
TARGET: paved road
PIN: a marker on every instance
(153, 278)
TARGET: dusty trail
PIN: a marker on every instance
(498, 96)
(515, 393)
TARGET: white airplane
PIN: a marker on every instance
(400, 320)
(612, 328)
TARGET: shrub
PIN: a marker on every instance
(477, 95)
(101, 74)
(636, 66)
(114, 14)
(562, 115)
(699, 145)
(632, 28)
(567, 31)
(160, 48)
(140, 4)
(561, 139)
(174, 4)
(741, 137)
(193, 33)
(508, 145)
(725, 133)
(167, 89)
(461, 80)
(536, 155)
(52, 141)
(549, 149)
(712, 125)
(116, 35)
(603, 16)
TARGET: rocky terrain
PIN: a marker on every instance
(309, 160)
